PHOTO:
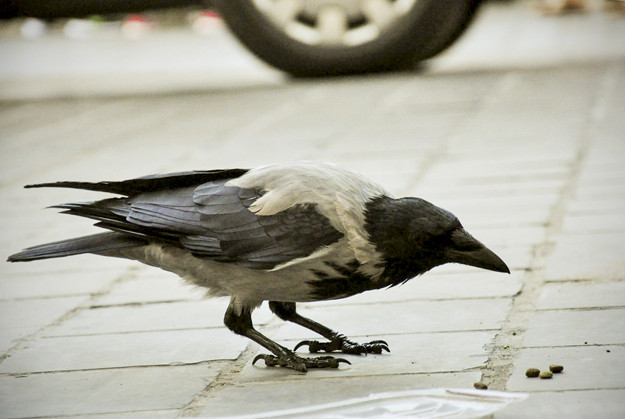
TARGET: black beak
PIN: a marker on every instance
(469, 251)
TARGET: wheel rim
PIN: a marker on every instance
(334, 22)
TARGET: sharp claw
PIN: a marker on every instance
(339, 360)
(382, 347)
(377, 346)
(302, 343)
(270, 360)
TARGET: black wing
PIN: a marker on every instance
(213, 221)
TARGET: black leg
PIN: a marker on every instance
(241, 324)
(337, 342)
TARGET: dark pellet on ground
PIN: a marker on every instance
(545, 374)
(480, 385)
(556, 369)
(532, 372)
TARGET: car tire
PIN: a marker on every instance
(452, 28)
(426, 29)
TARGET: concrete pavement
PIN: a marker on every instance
(528, 154)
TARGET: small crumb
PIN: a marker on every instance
(532, 372)
(480, 385)
(513, 333)
(556, 369)
(545, 374)
(506, 347)
(607, 350)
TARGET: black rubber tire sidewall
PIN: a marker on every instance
(410, 40)
(454, 26)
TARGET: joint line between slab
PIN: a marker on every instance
(508, 342)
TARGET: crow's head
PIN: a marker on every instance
(414, 236)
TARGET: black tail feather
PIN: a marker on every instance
(148, 183)
(113, 209)
(86, 244)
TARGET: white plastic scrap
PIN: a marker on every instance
(426, 403)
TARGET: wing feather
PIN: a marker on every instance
(214, 221)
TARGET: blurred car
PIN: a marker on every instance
(307, 37)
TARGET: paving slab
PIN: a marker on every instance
(510, 202)
(431, 190)
(582, 404)
(502, 216)
(599, 191)
(585, 368)
(402, 317)
(149, 285)
(576, 327)
(125, 350)
(150, 414)
(273, 396)
(488, 145)
(143, 318)
(528, 181)
(182, 315)
(605, 151)
(119, 391)
(20, 318)
(532, 122)
(608, 204)
(58, 285)
(585, 256)
(469, 171)
(410, 354)
(600, 165)
(559, 295)
(590, 223)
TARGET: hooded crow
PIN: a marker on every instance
(283, 234)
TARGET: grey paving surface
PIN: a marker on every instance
(518, 130)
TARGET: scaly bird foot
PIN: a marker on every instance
(297, 363)
(344, 345)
